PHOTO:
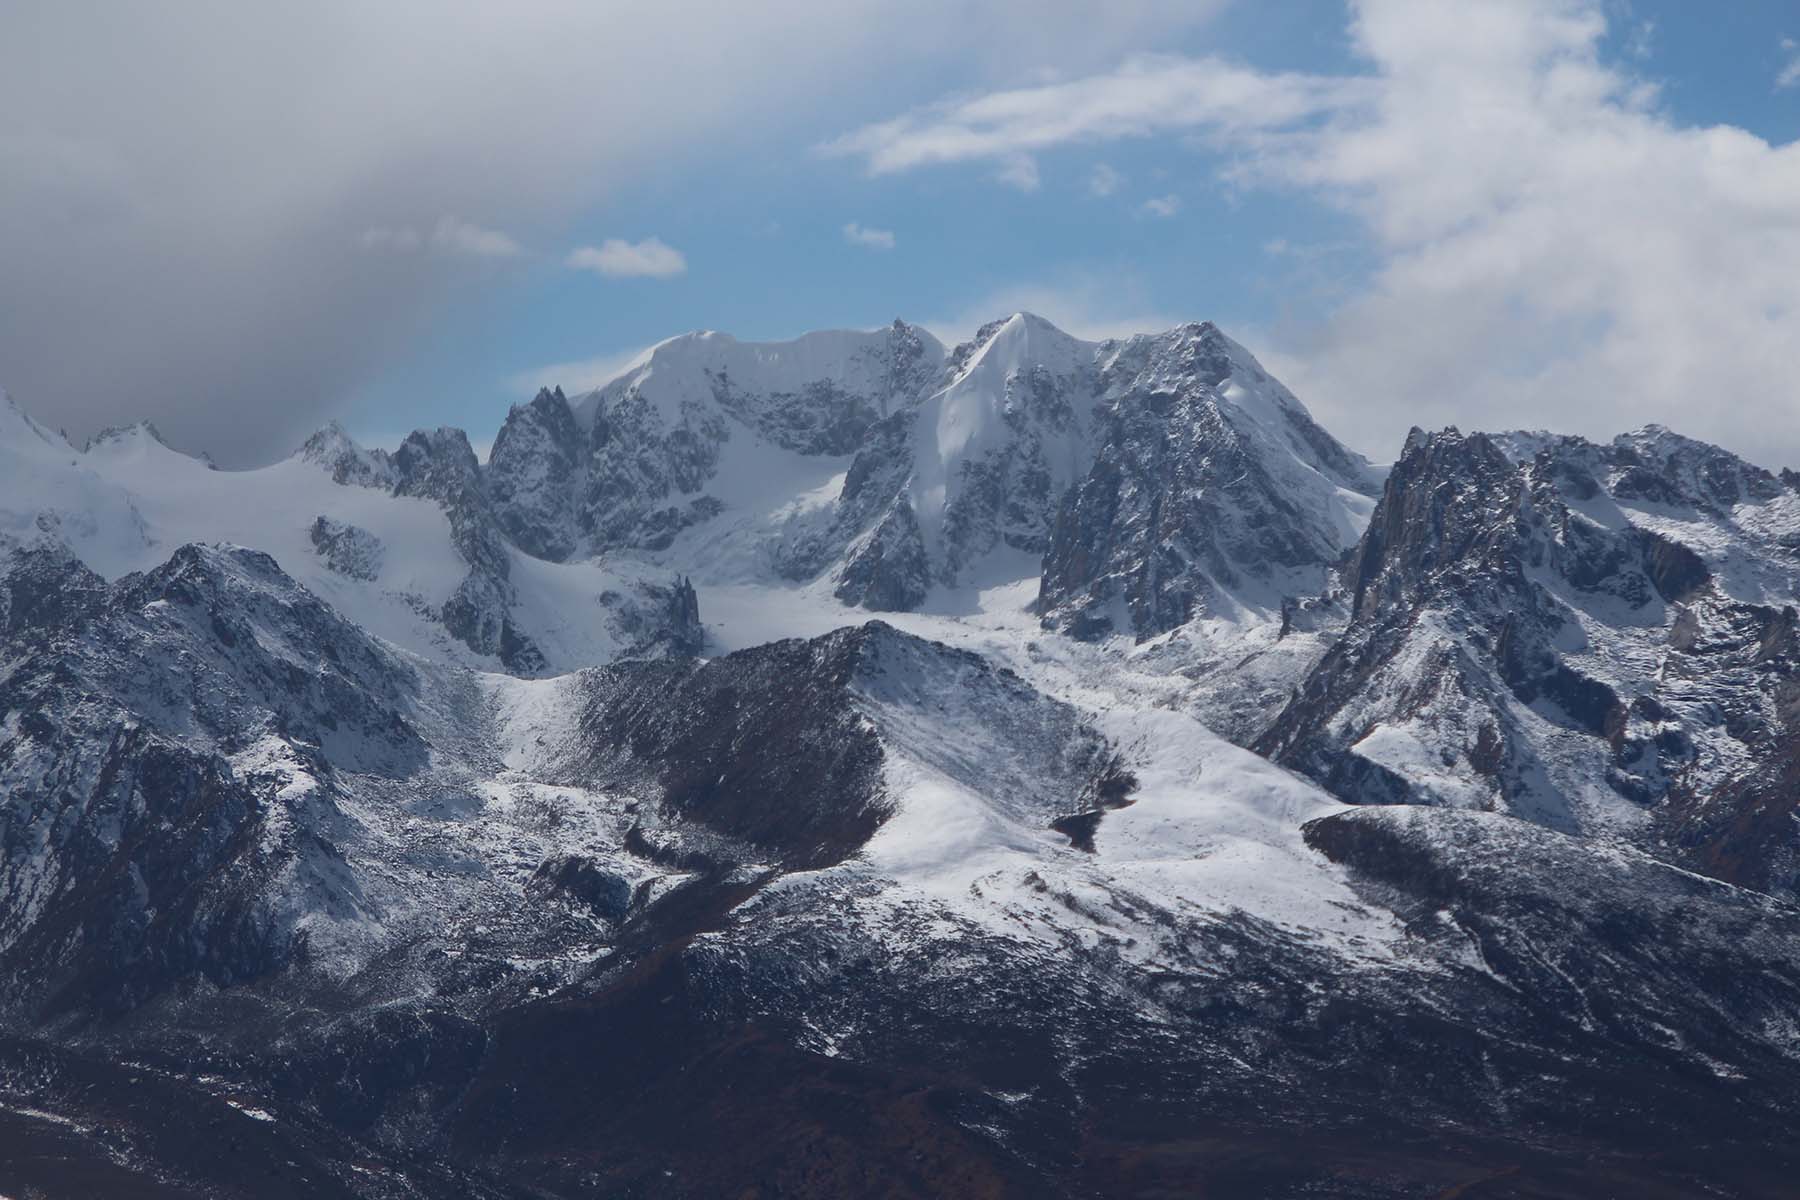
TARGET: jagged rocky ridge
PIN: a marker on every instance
(1598, 638)
(440, 465)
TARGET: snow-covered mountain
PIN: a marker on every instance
(703, 428)
(1146, 481)
(1199, 810)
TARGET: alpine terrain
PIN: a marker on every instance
(857, 766)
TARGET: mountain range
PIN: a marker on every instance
(861, 766)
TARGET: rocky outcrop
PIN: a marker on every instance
(778, 751)
(347, 549)
(1531, 633)
(534, 476)
(440, 465)
(887, 570)
(334, 450)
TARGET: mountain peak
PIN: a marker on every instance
(1022, 340)
(330, 438)
(134, 434)
(337, 452)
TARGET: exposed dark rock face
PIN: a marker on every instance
(440, 465)
(605, 891)
(888, 571)
(44, 588)
(884, 557)
(347, 549)
(533, 476)
(1647, 930)
(685, 633)
(1467, 590)
(760, 746)
(1189, 499)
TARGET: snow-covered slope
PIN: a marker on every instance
(374, 536)
(47, 491)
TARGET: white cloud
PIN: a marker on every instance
(1554, 249)
(651, 258)
(1550, 247)
(874, 239)
(1149, 94)
(1020, 171)
(450, 236)
(1162, 206)
(1103, 180)
(1790, 71)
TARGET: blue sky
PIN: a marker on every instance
(1576, 213)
